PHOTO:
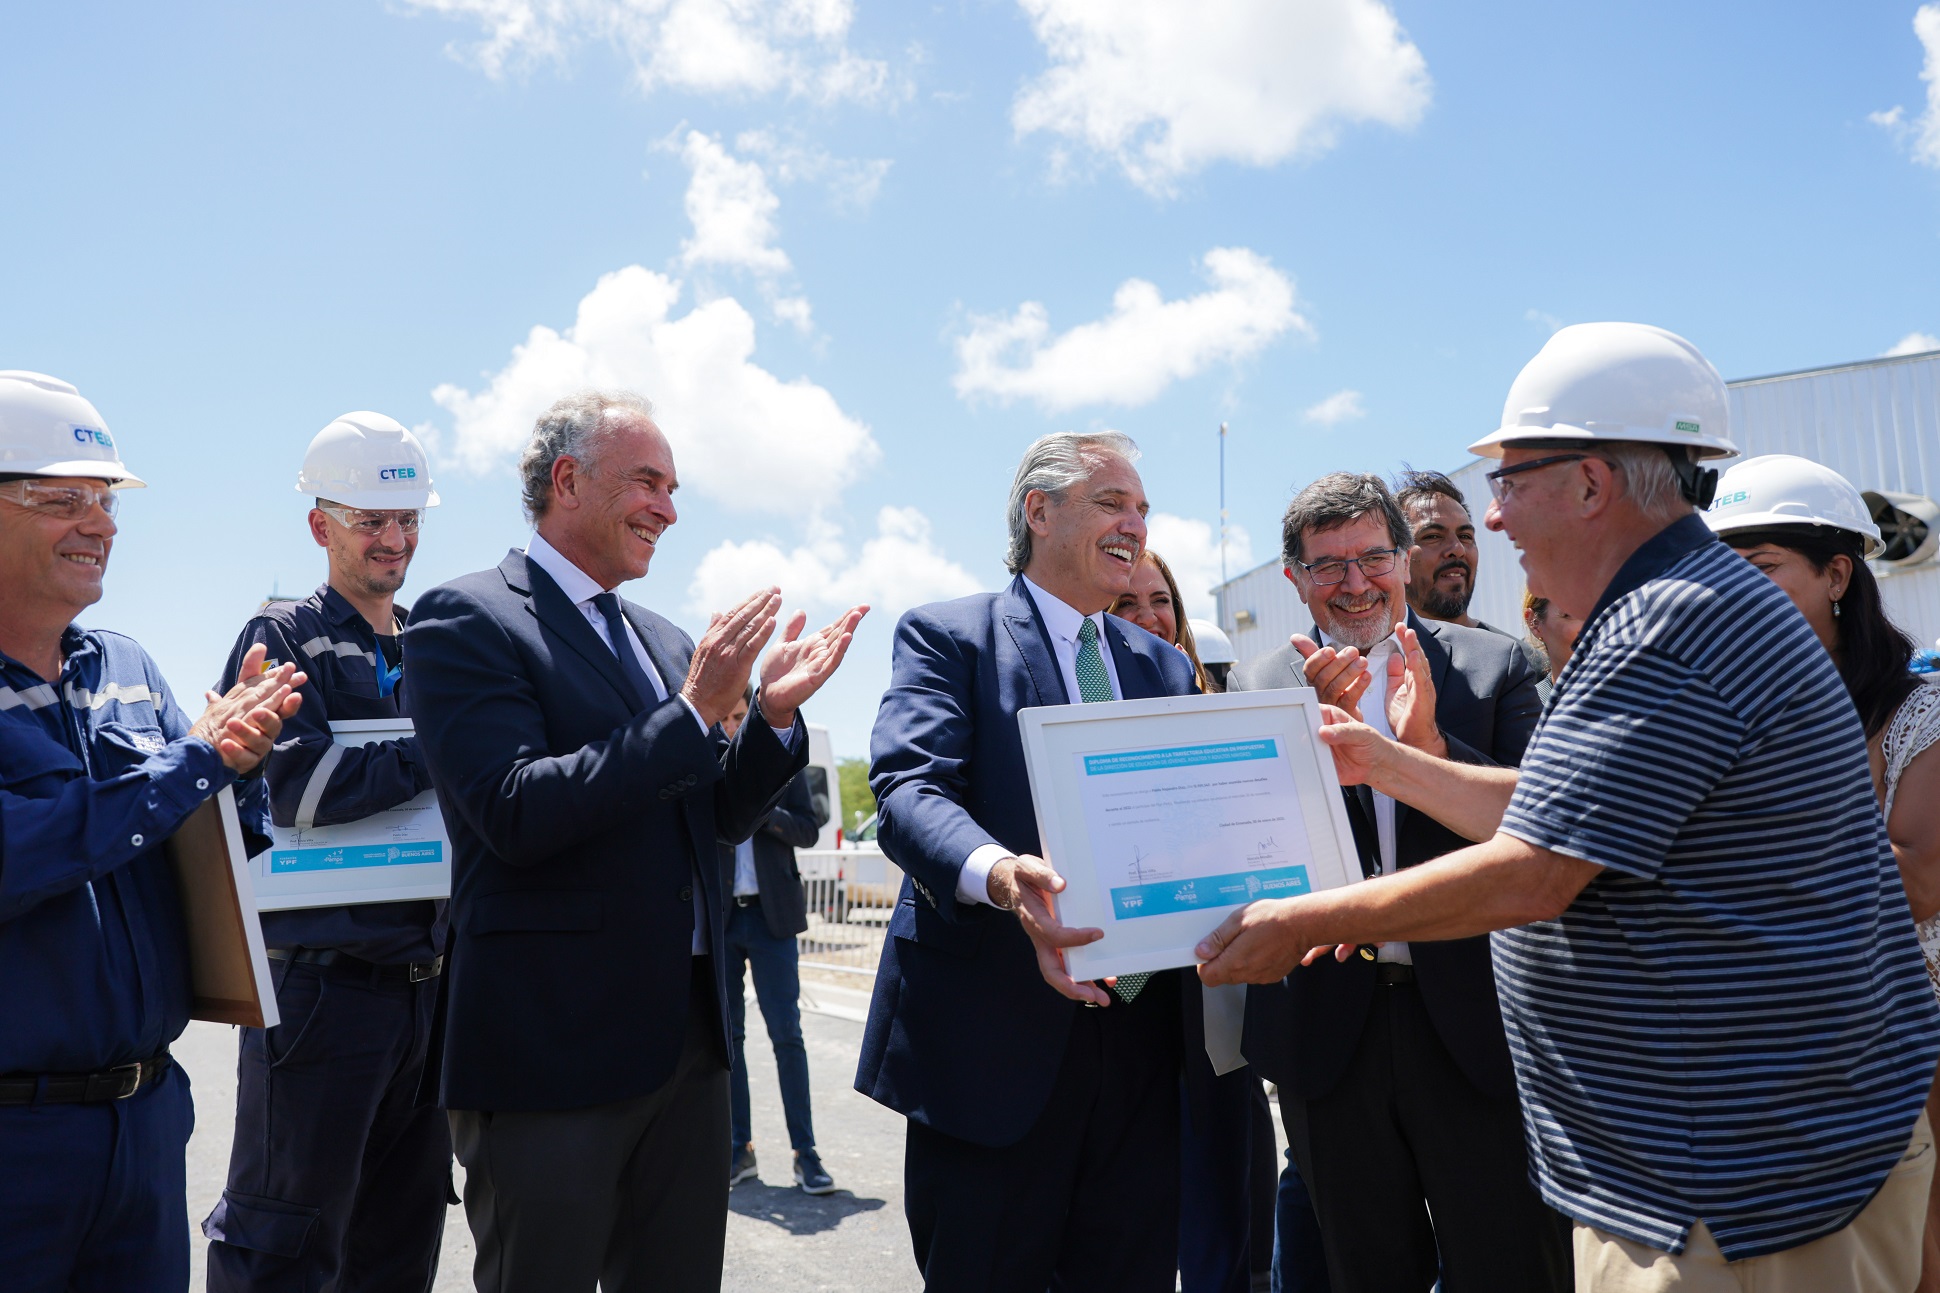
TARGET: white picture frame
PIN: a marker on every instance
(1174, 773)
(398, 855)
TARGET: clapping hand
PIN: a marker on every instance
(798, 666)
(718, 673)
(1339, 674)
(1411, 696)
(243, 723)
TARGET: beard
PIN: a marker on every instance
(1439, 605)
(1363, 635)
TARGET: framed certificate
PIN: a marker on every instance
(1164, 815)
(392, 856)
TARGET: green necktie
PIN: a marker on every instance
(1094, 684)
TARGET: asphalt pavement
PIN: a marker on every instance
(778, 1238)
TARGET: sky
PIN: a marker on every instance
(860, 254)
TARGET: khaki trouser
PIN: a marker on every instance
(1878, 1252)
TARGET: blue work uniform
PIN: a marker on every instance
(97, 768)
(338, 1175)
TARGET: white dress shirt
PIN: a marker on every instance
(746, 882)
(1374, 712)
(1061, 621)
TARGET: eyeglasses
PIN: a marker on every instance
(1331, 570)
(372, 524)
(62, 502)
(1499, 484)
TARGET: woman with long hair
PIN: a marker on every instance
(1810, 531)
(1152, 603)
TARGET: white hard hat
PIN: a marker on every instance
(47, 429)
(1214, 646)
(369, 461)
(1616, 381)
(1778, 489)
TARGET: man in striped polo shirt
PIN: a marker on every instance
(1716, 1004)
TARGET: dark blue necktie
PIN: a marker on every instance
(608, 605)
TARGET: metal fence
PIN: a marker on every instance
(851, 893)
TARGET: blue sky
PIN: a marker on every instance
(861, 253)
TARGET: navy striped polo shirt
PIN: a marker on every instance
(1732, 1022)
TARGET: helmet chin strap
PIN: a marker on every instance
(1698, 485)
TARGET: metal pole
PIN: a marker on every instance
(1222, 502)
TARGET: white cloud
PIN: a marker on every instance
(726, 47)
(1914, 343)
(795, 311)
(1191, 549)
(732, 210)
(1164, 88)
(899, 567)
(1921, 134)
(1144, 345)
(741, 435)
(852, 183)
(1341, 406)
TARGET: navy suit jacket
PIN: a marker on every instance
(1301, 1031)
(577, 828)
(964, 1036)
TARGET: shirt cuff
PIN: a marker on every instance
(973, 882)
(695, 712)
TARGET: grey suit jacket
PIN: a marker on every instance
(1302, 1031)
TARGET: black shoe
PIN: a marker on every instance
(810, 1175)
(741, 1166)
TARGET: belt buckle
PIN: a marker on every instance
(134, 1075)
(420, 971)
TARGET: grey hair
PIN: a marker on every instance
(1337, 499)
(571, 428)
(1649, 477)
(1054, 464)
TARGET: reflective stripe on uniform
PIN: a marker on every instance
(32, 697)
(322, 646)
(306, 807)
(111, 693)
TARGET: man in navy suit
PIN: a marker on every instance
(1043, 1134)
(574, 744)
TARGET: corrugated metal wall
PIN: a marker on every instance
(1877, 423)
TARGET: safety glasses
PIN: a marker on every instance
(372, 524)
(1501, 486)
(62, 502)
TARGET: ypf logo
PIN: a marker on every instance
(397, 473)
(93, 435)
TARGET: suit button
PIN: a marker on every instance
(687, 893)
(692, 780)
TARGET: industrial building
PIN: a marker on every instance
(1876, 422)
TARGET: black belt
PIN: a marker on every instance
(747, 899)
(1394, 973)
(329, 958)
(117, 1083)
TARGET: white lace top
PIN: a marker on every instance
(1915, 726)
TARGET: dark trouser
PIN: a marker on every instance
(778, 987)
(94, 1197)
(631, 1196)
(1404, 1134)
(1299, 1256)
(1225, 1207)
(1089, 1198)
(338, 1177)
